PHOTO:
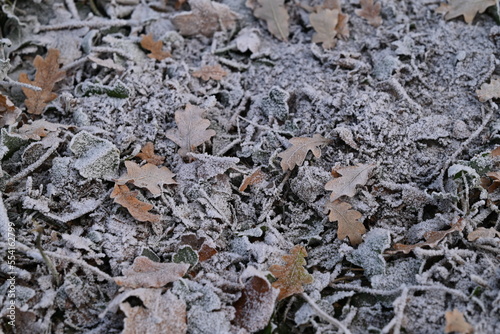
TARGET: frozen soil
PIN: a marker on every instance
(404, 91)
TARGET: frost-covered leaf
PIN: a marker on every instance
(324, 23)
(46, 76)
(292, 275)
(346, 184)
(186, 255)
(159, 314)
(342, 28)
(38, 129)
(248, 40)
(295, 155)
(369, 254)
(348, 221)
(256, 177)
(370, 11)
(128, 199)
(156, 48)
(148, 154)
(206, 73)
(455, 322)
(108, 63)
(148, 176)
(206, 17)
(8, 111)
(467, 8)
(145, 273)
(275, 15)
(210, 166)
(482, 232)
(192, 129)
(489, 91)
(206, 252)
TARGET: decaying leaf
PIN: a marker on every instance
(467, 8)
(46, 76)
(145, 273)
(275, 15)
(495, 152)
(346, 184)
(370, 11)
(128, 199)
(159, 314)
(348, 221)
(148, 154)
(491, 186)
(292, 275)
(148, 176)
(8, 111)
(432, 238)
(206, 17)
(206, 73)
(39, 128)
(206, 252)
(482, 232)
(455, 322)
(192, 129)
(489, 91)
(295, 155)
(256, 177)
(156, 48)
(324, 23)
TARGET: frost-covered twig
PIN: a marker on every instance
(72, 9)
(9, 82)
(228, 147)
(323, 314)
(104, 49)
(89, 24)
(4, 220)
(266, 127)
(399, 307)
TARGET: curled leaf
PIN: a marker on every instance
(148, 154)
(128, 199)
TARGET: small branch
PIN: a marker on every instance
(4, 220)
(323, 314)
(72, 9)
(399, 307)
(10, 82)
(48, 262)
(97, 24)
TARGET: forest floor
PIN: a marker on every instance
(390, 226)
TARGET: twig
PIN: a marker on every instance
(323, 314)
(72, 9)
(89, 24)
(50, 265)
(228, 147)
(265, 127)
(120, 52)
(10, 82)
(399, 306)
(4, 220)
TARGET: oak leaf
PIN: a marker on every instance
(192, 129)
(39, 128)
(148, 154)
(346, 184)
(275, 15)
(495, 152)
(128, 199)
(455, 322)
(145, 273)
(8, 111)
(467, 8)
(295, 155)
(292, 275)
(46, 76)
(370, 11)
(206, 73)
(348, 221)
(256, 177)
(489, 91)
(325, 23)
(148, 176)
(342, 28)
(206, 17)
(482, 232)
(156, 48)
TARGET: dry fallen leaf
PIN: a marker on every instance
(156, 48)
(296, 154)
(489, 91)
(495, 152)
(467, 8)
(370, 11)
(148, 176)
(128, 199)
(46, 76)
(324, 23)
(491, 186)
(192, 129)
(148, 154)
(348, 221)
(39, 128)
(206, 252)
(342, 28)
(455, 322)
(482, 232)
(206, 73)
(275, 15)
(256, 177)
(8, 111)
(145, 273)
(346, 184)
(206, 17)
(292, 275)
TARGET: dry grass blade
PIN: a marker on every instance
(348, 220)
(156, 48)
(295, 155)
(128, 199)
(206, 73)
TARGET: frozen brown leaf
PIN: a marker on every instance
(295, 155)
(489, 91)
(206, 73)
(482, 232)
(206, 17)
(348, 221)
(156, 48)
(8, 111)
(292, 275)
(192, 129)
(148, 154)
(495, 152)
(148, 176)
(206, 252)
(275, 15)
(158, 314)
(128, 199)
(47, 75)
(455, 322)
(145, 273)
(346, 184)
(324, 23)
(39, 128)
(467, 8)
(370, 11)
(342, 28)
(494, 181)
(256, 177)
